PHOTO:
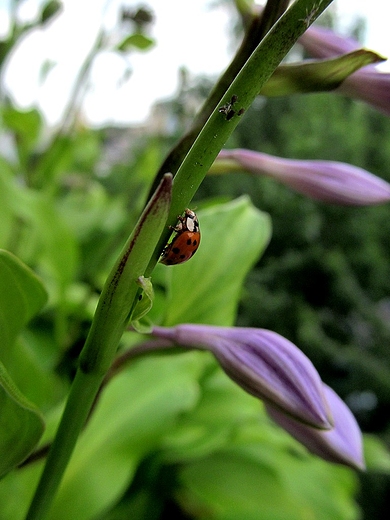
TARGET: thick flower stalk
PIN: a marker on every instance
(272, 368)
(367, 84)
(342, 444)
(326, 181)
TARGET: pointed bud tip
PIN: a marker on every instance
(341, 445)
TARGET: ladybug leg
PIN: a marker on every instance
(179, 226)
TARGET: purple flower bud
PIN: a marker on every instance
(264, 364)
(323, 43)
(370, 86)
(367, 84)
(342, 444)
(327, 181)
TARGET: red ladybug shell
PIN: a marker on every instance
(185, 243)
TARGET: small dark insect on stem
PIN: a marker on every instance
(230, 114)
(227, 109)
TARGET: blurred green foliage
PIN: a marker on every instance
(171, 434)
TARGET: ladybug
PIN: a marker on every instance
(185, 243)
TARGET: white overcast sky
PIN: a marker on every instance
(192, 33)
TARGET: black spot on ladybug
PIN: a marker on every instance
(176, 250)
(194, 242)
(182, 256)
(189, 242)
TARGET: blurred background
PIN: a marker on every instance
(91, 90)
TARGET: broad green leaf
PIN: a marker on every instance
(268, 484)
(230, 486)
(21, 297)
(312, 482)
(212, 424)
(308, 479)
(317, 76)
(32, 371)
(137, 408)
(45, 238)
(59, 255)
(16, 490)
(207, 288)
(21, 424)
(135, 41)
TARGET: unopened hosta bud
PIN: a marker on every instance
(321, 42)
(272, 368)
(264, 364)
(368, 84)
(326, 181)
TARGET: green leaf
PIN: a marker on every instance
(212, 424)
(138, 41)
(26, 126)
(317, 76)
(312, 482)
(49, 10)
(21, 424)
(16, 489)
(231, 486)
(43, 236)
(136, 410)
(22, 295)
(59, 252)
(207, 288)
(258, 480)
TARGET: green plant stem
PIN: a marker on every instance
(118, 297)
(252, 37)
(72, 422)
(246, 86)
